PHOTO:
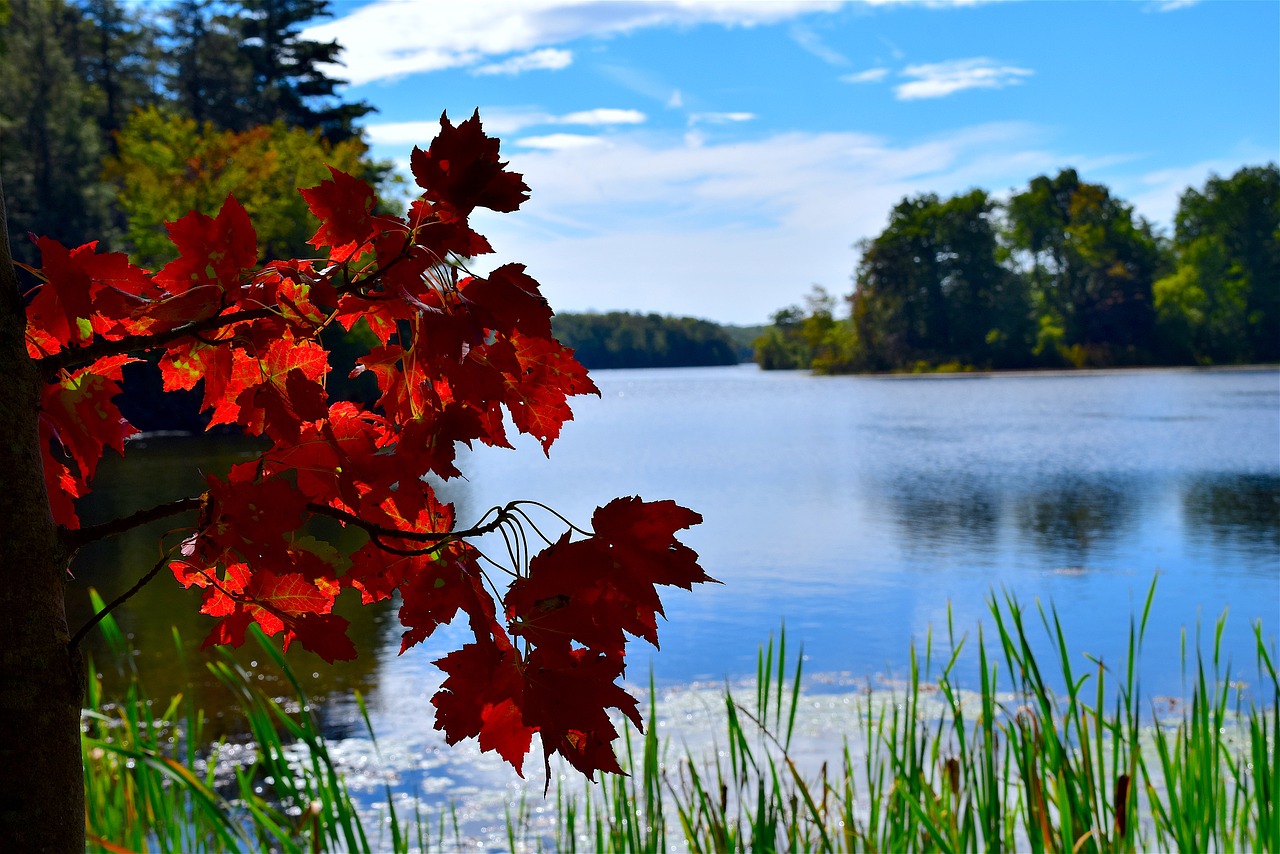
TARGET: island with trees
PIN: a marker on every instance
(1062, 275)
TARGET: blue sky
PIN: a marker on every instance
(720, 158)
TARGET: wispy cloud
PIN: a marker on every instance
(559, 141)
(871, 75)
(547, 59)
(603, 116)
(718, 229)
(719, 118)
(939, 79)
(388, 39)
(502, 121)
(1171, 5)
(813, 43)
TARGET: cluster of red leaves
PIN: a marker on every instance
(454, 351)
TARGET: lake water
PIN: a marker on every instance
(855, 509)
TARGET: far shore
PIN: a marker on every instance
(1064, 372)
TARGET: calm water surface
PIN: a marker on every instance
(855, 509)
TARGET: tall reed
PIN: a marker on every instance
(928, 764)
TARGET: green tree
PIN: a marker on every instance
(1222, 303)
(628, 340)
(167, 165)
(930, 289)
(117, 55)
(288, 77)
(1091, 266)
(782, 347)
(208, 77)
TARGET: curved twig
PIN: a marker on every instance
(74, 539)
(381, 531)
(116, 602)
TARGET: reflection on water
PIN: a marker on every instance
(1236, 513)
(853, 508)
(1071, 521)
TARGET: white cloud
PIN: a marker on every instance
(500, 121)
(1171, 5)
(719, 118)
(730, 231)
(404, 133)
(559, 141)
(603, 116)
(548, 59)
(813, 43)
(871, 75)
(388, 39)
(939, 79)
(676, 101)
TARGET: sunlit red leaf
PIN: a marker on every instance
(344, 207)
(213, 251)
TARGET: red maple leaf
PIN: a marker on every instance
(461, 169)
(83, 293)
(592, 590)
(508, 300)
(213, 251)
(537, 395)
(483, 698)
(344, 207)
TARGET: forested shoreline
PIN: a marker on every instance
(1062, 275)
(620, 339)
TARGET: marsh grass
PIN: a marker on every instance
(1007, 764)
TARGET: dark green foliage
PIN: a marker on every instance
(624, 340)
(74, 72)
(1222, 303)
(808, 337)
(288, 80)
(243, 64)
(207, 76)
(50, 144)
(1092, 270)
(930, 288)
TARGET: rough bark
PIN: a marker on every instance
(41, 780)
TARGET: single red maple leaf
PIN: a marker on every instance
(483, 698)
(507, 300)
(536, 397)
(461, 170)
(344, 207)
(213, 251)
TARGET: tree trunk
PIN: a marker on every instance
(41, 781)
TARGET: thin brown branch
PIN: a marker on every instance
(72, 356)
(117, 602)
(381, 532)
(74, 539)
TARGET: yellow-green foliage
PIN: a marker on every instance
(167, 165)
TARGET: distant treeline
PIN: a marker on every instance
(1063, 274)
(625, 340)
